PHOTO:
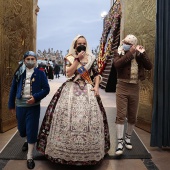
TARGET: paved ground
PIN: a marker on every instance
(160, 157)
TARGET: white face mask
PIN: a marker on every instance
(126, 47)
(30, 64)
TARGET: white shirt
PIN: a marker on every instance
(27, 90)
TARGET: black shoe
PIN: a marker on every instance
(30, 164)
(25, 146)
(128, 145)
(120, 147)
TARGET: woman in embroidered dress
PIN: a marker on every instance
(74, 129)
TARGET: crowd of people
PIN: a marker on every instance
(75, 130)
(50, 71)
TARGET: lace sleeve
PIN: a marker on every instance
(94, 71)
(68, 63)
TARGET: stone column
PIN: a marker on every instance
(35, 14)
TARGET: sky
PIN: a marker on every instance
(59, 21)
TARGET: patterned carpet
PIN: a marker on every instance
(13, 150)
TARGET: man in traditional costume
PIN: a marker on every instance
(29, 87)
(130, 61)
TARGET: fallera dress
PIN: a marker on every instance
(75, 130)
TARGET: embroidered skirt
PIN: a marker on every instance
(74, 129)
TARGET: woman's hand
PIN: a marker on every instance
(96, 90)
(81, 55)
(96, 87)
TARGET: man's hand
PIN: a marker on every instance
(31, 100)
(140, 48)
(12, 111)
(133, 49)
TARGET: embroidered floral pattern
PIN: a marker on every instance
(75, 128)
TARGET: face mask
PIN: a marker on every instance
(30, 64)
(81, 48)
(126, 47)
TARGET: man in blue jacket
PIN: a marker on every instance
(29, 87)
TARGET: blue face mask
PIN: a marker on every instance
(30, 64)
(126, 47)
